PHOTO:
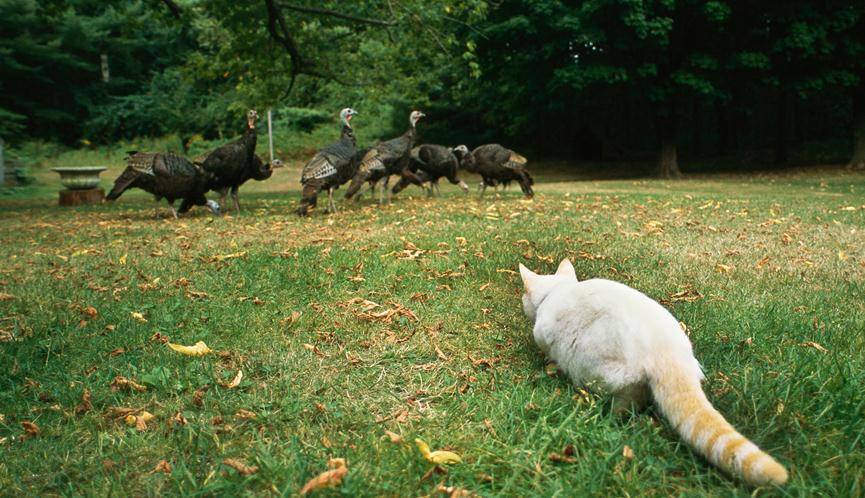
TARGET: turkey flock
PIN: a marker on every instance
(226, 168)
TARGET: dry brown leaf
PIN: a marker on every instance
(245, 415)
(116, 352)
(818, 347)
(30, 428)
(121, 382)
(394, 437)
(85, 405)
(559, 458)
(6, 297)
(329, 478)
(234, 382)
(628, 453)
(91, 312)
(441, 354)
(454, 492)
(484, 287)
(289, 320)
(178, 419)
(163, 466)
(722, 268)
(198, 396)
(222, 257)
(240, 467)
(139, 420)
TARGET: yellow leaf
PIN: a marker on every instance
(199, 349)
(437, 457)
(138, 316)
(722, 268)
(843, 256)
(235, 381)
(122, 260)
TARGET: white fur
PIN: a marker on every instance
(600, 331)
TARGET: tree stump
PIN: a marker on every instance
(79, 197)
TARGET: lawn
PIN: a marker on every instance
(407, 319)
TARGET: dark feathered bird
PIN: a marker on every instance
(431, 162)
(166, 176)
(330, 167)
(386, 159)
(496, 164)
(235, 162)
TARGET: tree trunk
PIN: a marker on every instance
(668, 162)
(857, 161)
(697, 139)
(781, 129)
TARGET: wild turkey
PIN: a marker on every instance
(233, 163)
(330, 167)
(430, 162)
(166, 176)
(387, 158)
(259, 171)
(497, 164)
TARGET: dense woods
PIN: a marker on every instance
(666, 82)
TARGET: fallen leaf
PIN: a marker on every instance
(223, 257)
(138, 317)
(628, 453)
(199, 349)
(485, 286)
(116, 352)
(198, 396)
(178, 419)
(6, 297)
(163, 466)
(122, 260)
(234, 382)
(437, 457)
(329, 478)
(289, 320)
(240, 467)
(85, 405)
(454, 492)
(441, 354)
(394, 437)
(722, 268)
(139, 421)
(91, 312)
(559, 458)
(121, 382)
(245, 415)
(30, 428)
(818, 347)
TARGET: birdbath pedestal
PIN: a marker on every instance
(82, 185)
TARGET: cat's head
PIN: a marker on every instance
(537, 287)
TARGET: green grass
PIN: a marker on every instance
(777, 261)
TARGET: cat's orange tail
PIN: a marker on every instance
(685, 406)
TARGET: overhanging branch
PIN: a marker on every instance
(333, 13)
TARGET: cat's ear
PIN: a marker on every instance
(566, 269)
(528, 277)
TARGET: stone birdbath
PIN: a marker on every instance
(82, 185)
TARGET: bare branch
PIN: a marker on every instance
(333, 13)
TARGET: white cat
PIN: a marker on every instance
(608, 333)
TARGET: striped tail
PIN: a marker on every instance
(685, 406)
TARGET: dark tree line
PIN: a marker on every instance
(654, 80)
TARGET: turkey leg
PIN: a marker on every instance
(234, 197)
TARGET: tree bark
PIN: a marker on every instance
(668, 161)
(857, 161)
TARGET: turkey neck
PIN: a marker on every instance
(348, 134)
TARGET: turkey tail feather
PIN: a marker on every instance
(122, 183)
